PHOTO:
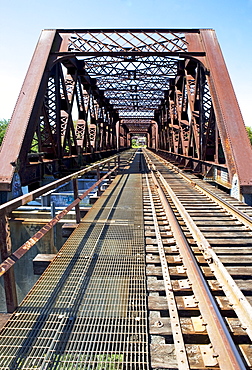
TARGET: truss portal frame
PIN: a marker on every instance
(171, 84)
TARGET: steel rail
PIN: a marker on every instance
(224, 347)
(21, 251)
(179, 345)
(235, 296)
(242, 217)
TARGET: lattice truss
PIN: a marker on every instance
(88, 91)
(134, 84)
(186, 117)
(137, 125)
(131, 76)
(127, 41)
(58, 134)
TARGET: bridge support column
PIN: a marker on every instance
(9, 277)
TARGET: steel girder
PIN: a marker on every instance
(171, 84)
(200, 123)
(42, 137)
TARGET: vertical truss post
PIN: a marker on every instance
(57, 112)
(148, 140)
(202, 137)
(77, 207)
(229, 121)
(118, 163)
(124, 138)
(128, 140)
(98, 178)
(155, 144)
(116, 171)
(117, 129)
(54, 229)
(9, 276)
(109, 176)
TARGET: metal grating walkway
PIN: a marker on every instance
(88, 310)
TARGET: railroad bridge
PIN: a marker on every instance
(156, 274)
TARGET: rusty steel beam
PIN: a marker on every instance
(175, 78)
(42, 119)
(26, 105)
(128, 30)
(229, 121)
(133, 53)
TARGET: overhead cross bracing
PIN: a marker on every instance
(135, 79)
(88, 90)
(133, 85)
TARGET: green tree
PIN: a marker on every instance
(249, 131)
(134, 143)
(3, 127)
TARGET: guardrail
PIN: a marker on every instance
(8, 257)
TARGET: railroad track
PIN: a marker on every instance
(199, 273)
(89, 309)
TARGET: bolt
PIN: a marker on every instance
(159, 324)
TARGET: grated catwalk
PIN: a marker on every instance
(88, 310)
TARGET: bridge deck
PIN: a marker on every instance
(88, 310)
(158, 269)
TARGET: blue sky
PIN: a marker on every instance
(22, 22)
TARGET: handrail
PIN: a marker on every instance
(20, 252)
(23, 199)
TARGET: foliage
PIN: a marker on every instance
(81, 362)
(3, 127)
(249, 131)
(34, 146)
(76, 362)
(136, 143)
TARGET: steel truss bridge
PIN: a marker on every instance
(157, 274)
(87, 91)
